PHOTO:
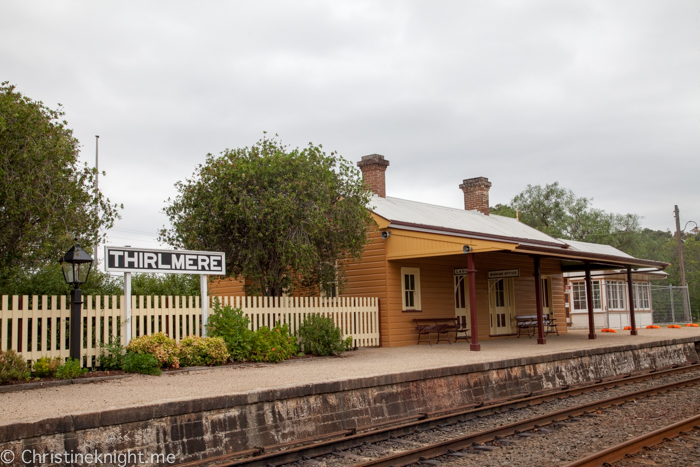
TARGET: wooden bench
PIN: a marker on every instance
(439, 326)
(529, 323)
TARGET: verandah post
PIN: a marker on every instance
(589, 302)
(538, 301)
(633, 324)
(472, 302)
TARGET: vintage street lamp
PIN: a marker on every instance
(76, 265)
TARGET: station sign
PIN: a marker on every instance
(127, 259)
(504, 273)
(461, 271)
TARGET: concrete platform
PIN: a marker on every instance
(221, 410)
(140, 390)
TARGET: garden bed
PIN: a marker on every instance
(101, 375)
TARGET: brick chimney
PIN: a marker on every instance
(373, 168)
(476, 194)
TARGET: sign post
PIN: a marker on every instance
(204, 302)
(127, 305)
(128, 260)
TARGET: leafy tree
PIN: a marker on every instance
(45, 197)
(48, 280)
(558, 212)
(691, 259)
(165, 284)
(652, 244)
(285, 218)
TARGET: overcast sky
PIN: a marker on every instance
(601, 96)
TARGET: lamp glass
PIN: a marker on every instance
(83, 271)
(68, 273)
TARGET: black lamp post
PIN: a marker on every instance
(76, 265)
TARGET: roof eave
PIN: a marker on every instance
(583, 256)
(476, 235)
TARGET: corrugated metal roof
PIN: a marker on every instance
(429, 215)
(597, 248)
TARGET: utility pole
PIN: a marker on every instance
(681, 264)
(97, 191)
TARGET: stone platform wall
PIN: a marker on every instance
(213, 426)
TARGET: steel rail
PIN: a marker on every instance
(461, 442)
(279, 454)
(634, 445)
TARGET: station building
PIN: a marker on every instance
(425, 261)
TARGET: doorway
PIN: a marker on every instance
(461, 283)
(546, 291)
(501, 305)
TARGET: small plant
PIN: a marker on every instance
(198, 351)
(70, 369)
(162, 347)
(348, 343)
(143, 363)
(112, 354)
(232, 326)
(320, 336)
(272, 345)
(46, 366)
(13, 367)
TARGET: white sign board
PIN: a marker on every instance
(127, 259)
(504, 273)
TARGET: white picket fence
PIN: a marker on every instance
(39, 326)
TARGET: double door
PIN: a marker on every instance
(501, 306)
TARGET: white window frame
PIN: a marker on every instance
(578, 288)
(415, 272)
(597, 301)
(615, 294)
(641, 296)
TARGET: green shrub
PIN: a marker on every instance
(13, 367)
(162, 347)
(320, 336)
(46, 366)
(232, 326)
(112, 355)
(143, 363)
(70, 369)
(197, 351)
(272, 345)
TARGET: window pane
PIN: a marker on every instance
(579, 291)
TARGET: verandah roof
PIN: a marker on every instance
(448, 229)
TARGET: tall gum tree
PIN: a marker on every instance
(287, 219)
(46, 198)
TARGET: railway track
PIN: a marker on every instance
(339, 444)
(663, 436)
